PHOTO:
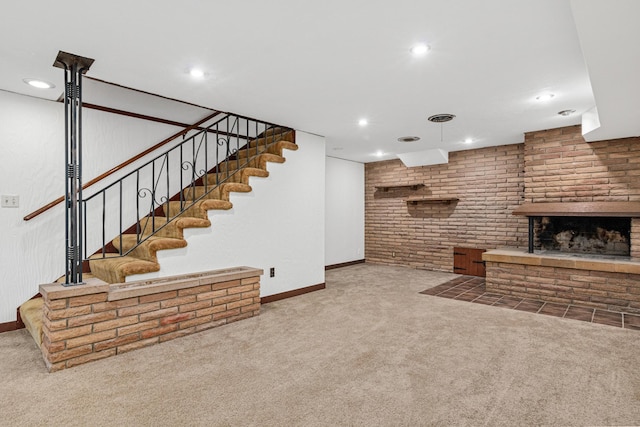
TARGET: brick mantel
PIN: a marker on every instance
(588, 209)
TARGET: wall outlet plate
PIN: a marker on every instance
(10, 201)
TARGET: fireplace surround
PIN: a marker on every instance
(584, 276)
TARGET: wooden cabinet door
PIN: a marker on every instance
(468, 261)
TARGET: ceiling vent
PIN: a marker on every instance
(441, 118)
(409, 139)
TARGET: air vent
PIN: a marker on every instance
(441, 118)
(409, 139)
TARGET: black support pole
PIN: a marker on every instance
(74, 67)
(531, 234)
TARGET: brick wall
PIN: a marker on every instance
(91, 322)
(561, 167)
(488, 183)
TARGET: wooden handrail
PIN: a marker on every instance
(123, 164)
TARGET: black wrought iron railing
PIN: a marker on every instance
(155, 193)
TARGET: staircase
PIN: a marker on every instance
(135, 250)
(165, 230)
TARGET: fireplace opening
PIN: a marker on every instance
(583, 235)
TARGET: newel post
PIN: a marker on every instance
(74, 67)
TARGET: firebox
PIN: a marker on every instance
(583, 235)
(584, 228)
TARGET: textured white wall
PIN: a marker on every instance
(32, 155)
(279, 224)
(344, 219)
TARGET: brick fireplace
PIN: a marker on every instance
(582, 202)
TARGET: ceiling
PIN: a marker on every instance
(322, 66)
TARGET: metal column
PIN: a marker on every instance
(531, 234)
(74, 67)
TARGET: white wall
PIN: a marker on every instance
(288, 206)
(32, 154)
(279, 224)
(344, 219)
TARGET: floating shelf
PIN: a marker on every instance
(440, 200)
(414, 186)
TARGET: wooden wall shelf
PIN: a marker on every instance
(434, 200)
(387, 187)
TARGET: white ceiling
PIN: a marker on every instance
(321, 66)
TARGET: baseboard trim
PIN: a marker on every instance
(344, 264)
(9, 326)
(293, 293)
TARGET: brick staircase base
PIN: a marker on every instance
(98, 320)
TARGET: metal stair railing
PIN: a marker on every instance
(207, 158)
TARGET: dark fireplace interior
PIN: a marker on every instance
(583, 235)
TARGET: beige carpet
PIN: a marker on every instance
(368, 350)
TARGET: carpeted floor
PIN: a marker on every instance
(368, 350)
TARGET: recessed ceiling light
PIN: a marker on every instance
(40, 84)
(419, 49)
(379, 153)
(363, 122)
(566, 112)
(545, 97)
(409, 139)
(468, 141)
(196, 73)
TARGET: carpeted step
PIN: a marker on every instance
(114, 269)
(259, 162)
(32, 316)
(272, 135)
(147, 249)
(198, 210)
(241, 176)
(173, 228)
(221, 192)
(275, 148)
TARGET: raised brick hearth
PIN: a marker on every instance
(97, 320)
(605, 284)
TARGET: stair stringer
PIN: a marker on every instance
(279, 224)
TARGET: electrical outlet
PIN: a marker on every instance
(10, 201)
(393, 254)
(272, 272)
